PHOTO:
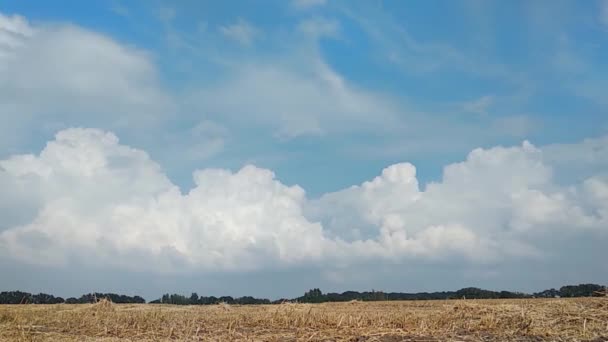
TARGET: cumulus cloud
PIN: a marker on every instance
(495, 192)
(99, 199)
(491, 201)
(86, 197)
(60, 73)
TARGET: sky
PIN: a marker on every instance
(268, 147)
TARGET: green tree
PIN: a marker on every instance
(194, 298)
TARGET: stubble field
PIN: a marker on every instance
(584, 319)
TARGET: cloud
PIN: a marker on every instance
(307, 4)
(13, 29)
(479, 106)
(604, 12)
(302, 96)
(579, 160)
(574, 64)
(294, 93)
(90, 199)
(566, 61)
(87, 198)
(101, 200)
(241, 32)
(208, 138)
(86, 79)
(320, 27)
(515, 125)
(484, 206)
(166, 14)
(399, 47)
(120, 9)
(588, 153)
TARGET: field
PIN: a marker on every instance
(584, 319)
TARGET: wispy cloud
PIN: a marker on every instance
(296, 101)
(479, 105)
(402, 49)
(518, 126)
(242, 32)
(318, 27)
(306, 4)
(166, 14)
(120, 9)
(604, 13)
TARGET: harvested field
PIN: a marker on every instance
(584, 319)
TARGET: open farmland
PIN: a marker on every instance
(581, 319)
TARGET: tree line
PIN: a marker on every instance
(19, 297)
(194, 299)
(311, 296)
(581, 290)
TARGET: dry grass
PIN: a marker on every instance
(458, 320)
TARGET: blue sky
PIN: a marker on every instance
(495, 104)
(507, 66)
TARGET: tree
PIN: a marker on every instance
(72, 300)
(194, 298)
(551, 293)
(227, 299)
(15, 297)
(581, 290)
(43, 298)
(313, 296)
(139, 300)
(177, 299)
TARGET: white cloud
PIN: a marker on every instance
(491, 200)
(54, 74)
(13, 30)
(86, 197)
(103, 83)
(307, 98)
(242, 32)
(306, 4)
(101, 200)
